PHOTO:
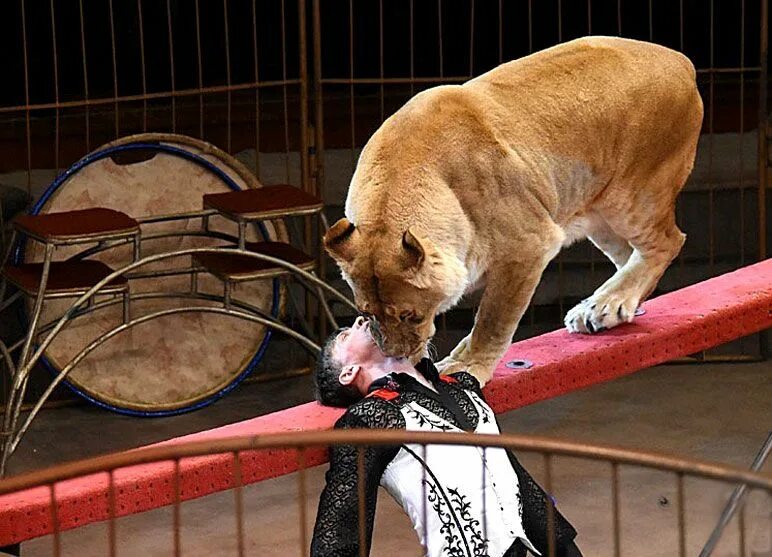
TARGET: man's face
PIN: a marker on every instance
(355, 346)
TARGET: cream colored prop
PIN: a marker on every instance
(174, 362)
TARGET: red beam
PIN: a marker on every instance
(677, 324)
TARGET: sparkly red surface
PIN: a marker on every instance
(676, 324)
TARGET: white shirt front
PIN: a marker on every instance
(463, 501)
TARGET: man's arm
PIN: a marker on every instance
(336, 533)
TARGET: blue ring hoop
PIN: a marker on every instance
(200, 161)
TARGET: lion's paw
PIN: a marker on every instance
(600, 312)
(481, 371)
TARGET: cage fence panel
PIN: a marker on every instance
(82, 72)
(373, 56)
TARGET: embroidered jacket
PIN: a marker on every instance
(442, 496)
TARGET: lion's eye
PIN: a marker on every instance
(416, 319)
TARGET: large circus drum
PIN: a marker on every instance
(177, 362)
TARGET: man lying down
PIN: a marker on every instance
(440, 489)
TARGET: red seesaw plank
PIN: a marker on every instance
(676, 324)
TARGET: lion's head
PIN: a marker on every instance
(401, 279)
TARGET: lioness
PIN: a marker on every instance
(480, 185)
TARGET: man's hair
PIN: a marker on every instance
(327, 386)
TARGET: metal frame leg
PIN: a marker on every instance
(735, 501)
(320, 230)
(322, 300)
(6, 255)
(19, 384)
(8, 248)
(317, 292)
(242, 234)
(194, 282)
(126, 305)
(6, 357)
(227, 290)
(295, 308)
(327, 311)
(137, 248)
(5, 304)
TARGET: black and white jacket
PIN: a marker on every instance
(462, 501)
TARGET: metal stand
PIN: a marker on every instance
(79, 307)
(102, 226)
(107, 229)
(735, 501)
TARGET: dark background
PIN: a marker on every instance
(552, 21)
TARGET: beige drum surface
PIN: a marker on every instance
(169, 363)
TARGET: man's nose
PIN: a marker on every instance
(359, 321)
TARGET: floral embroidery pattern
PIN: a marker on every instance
(470, 525)
(424, 420)
(453, 509)
(450, 527)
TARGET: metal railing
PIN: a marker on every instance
(245, 451)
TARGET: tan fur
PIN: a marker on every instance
(481, 184)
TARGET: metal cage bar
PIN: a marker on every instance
(142, 64)
(85, 73)
(56, 85)
(171, 64)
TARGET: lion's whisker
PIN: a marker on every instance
(431, 350)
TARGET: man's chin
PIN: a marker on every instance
(413, 356)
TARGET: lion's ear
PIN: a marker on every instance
(339, 240)
(413, 252)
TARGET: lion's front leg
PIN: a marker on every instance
(505, 299)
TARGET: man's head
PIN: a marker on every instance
(344, 370)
